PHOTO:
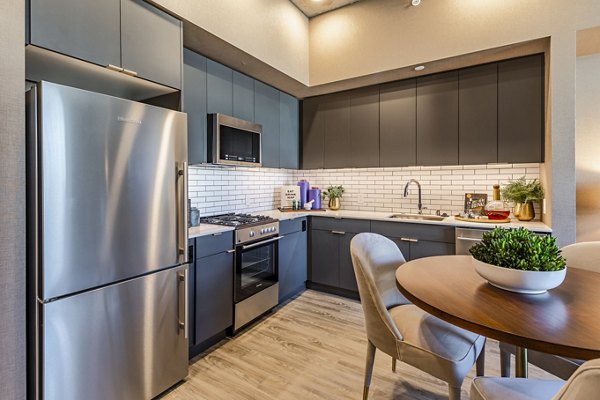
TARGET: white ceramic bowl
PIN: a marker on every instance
(519, 281)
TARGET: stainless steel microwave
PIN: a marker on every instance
(233, 141)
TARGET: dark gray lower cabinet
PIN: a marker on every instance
(331, 263)
(417, 240)
(292, 258)
(210, 290)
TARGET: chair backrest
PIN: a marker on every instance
(584, 255)
(375, 260)
(583, 384)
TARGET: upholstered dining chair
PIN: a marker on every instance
(583, 255)
(401, 329)
(584, 384)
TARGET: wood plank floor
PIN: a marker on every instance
(312, 347)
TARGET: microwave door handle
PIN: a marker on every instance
(250, 246)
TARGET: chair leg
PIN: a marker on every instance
(453, 393)
(369, 368)
(393, 364)
(480, 363)
(504, 364)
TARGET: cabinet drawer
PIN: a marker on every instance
(292, 225)
(342, 225)
(435, 233)
(214, 244)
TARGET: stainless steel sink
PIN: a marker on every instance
(418, 217)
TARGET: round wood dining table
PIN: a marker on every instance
(563, 321)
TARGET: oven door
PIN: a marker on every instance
(256, 267)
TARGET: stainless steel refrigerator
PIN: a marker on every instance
(107, 246)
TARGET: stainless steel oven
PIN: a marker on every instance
(256, 281)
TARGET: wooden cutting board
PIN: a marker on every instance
(484, 220)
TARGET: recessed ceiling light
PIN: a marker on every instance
(415, 2)
(419, 68)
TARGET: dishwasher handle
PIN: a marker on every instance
(467, 238)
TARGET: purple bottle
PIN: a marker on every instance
(315, 194)
(304, 185)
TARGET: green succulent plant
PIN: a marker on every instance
(521, 191)
(334, 192)
(519, 249)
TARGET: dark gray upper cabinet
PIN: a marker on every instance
(85, 29)
(437, 119)
(243, 96)
(128, 34)
(313, 133)
(194, 104)
(398, 124)
(266, 101)
(289, 131)
(151, 43)
(478, 114)
(219, 88)
(364, 128)
(336, 147)
(521, 109)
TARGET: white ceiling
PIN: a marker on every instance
(312, 8)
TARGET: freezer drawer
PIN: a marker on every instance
(124, 341)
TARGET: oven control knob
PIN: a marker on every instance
(272, 229)
(262, 231)
(251, 234)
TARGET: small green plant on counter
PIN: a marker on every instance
(334, 192)
(521, 191)
(519, 249)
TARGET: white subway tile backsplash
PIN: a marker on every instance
(218, 189)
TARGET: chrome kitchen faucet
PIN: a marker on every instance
(419, 204)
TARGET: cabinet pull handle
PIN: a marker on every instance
(217, 234)
(338, 232)
(404, 239)
(230, 251)
(114, 68)
(129, 72)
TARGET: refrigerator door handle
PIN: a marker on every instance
(182, 211)
(182, 302)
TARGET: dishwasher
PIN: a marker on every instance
(466, 238)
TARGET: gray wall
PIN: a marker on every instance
(12, 199)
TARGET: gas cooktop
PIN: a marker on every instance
(237, 220)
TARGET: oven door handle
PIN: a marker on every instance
(249, 246)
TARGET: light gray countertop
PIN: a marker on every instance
(207, 229)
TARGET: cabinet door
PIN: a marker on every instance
(521, 110)
(325, 258)
(266, 113)
(214, 295)
(437, 119)
(219, 88)
(151, 43)
(292, 264)
(243, 96)
(403, 245)
(337, 148)
(347, 276)
(398, 124)
(194, 104)
(289, 131)
(364, 127)
(85, 29)
(424, 248)
(478, 115)
(313, 133)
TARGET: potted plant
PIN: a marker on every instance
(523, 194)
(519, 260)
(334, 193)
